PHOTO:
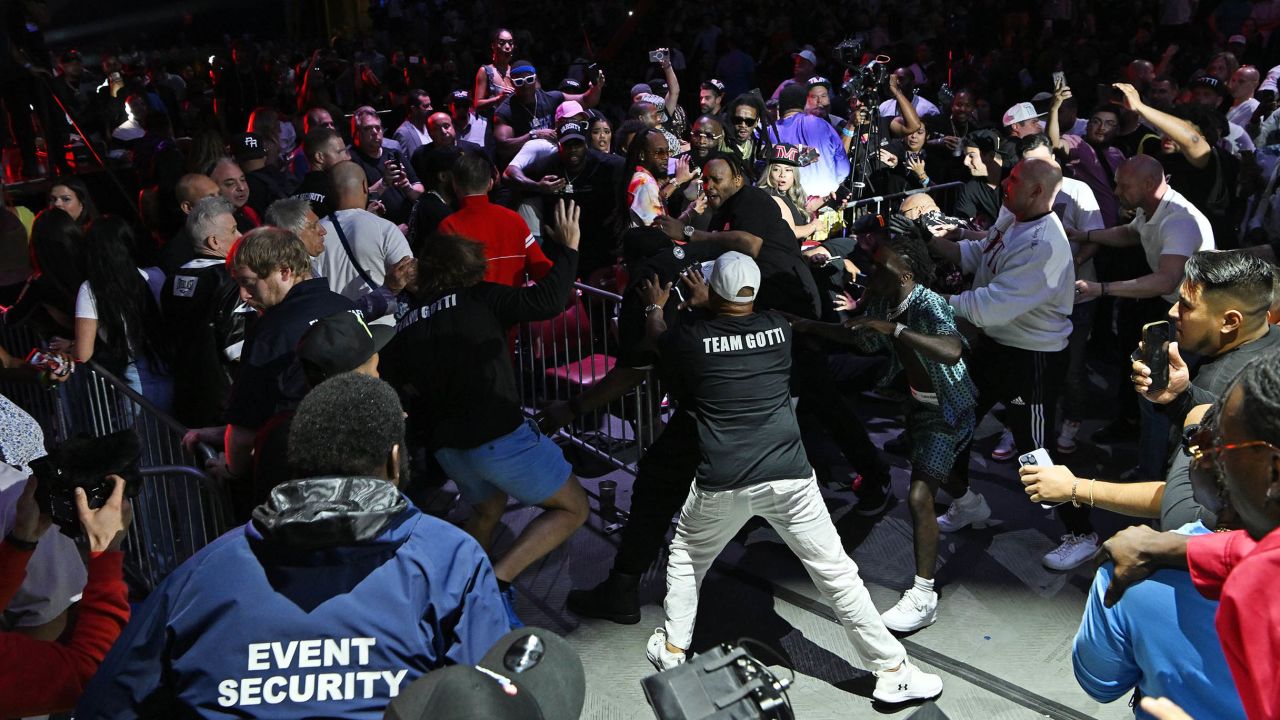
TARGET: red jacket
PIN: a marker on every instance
(39, 677)
(508, 244)
(1241, 575)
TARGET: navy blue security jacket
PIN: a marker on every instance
(329, 603)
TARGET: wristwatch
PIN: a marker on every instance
(651, 307)
(898, 329)
(688, 232)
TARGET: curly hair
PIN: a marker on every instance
(347, 425)
(914, 253)
(447, 262)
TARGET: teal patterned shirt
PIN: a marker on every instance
(928, 314)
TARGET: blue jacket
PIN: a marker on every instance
(304, 612)
(1160, 638)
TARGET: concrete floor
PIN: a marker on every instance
(1002, 642)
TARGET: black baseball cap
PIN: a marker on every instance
(339, 343)
(248, 146)
(529, 674)
(460, 96)
(571, 130)
(714, 85)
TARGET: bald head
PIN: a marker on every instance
(916, 205)
(1142, 168)
(1140, 182)
(1243, 83)
(193, 187)
(1032, 187)
(350, 185)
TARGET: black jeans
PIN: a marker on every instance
(1028, 383)
(663, 477)
(818, 396)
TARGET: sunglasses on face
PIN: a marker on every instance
(1205, 451)
(522, 81)
(505, 43)
(748, 121)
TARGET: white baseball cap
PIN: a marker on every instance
(1021, 111)
(732, 273)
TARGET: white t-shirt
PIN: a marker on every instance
(377, 243)
(889, 108)
(87, 302)
(1241, 114)
(1176, 228)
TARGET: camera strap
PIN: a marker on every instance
(342, 236)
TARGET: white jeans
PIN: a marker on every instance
(795, 509)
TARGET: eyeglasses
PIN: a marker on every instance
(707, 136)
(748, 121)
(522, 81)
(1206, 473)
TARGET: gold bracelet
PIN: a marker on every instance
(1074, 486)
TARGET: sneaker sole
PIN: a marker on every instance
(1067, 449)
(878, 509)
(899, 698)
(933, 618)
(1001, 457)
(1067, 568)
(976, 525)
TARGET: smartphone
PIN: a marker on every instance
(1039, 457)
(413, 59)
(1155, 351)
(1059, 79)
(657, 56)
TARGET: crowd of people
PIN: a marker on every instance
(328, 249)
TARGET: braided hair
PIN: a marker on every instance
(1259, 384)
(911, 248)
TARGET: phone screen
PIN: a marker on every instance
(1155, 351)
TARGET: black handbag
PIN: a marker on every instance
(724, 683)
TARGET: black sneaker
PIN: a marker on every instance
(617, 599)
(1120, 430)
(873, 497)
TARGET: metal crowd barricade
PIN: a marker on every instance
(180, 509)
(559, 358)
(943, 194)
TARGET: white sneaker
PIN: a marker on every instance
(1074, 551)
(1067, 437)
(916, 609)
(1004, 447)
(962, 514)
(658, 654)
(905, 684)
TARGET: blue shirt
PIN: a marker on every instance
(250, 627)
(832, 167)
(1159, 638)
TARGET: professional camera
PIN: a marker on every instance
(85, 462)
(867, 81)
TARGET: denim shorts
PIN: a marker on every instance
(524, 464)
